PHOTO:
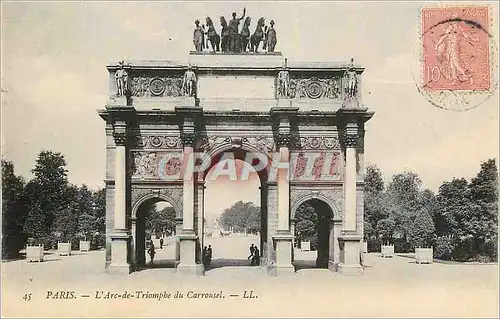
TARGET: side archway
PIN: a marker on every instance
(327, 227)
(142, 199)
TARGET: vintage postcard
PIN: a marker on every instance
(249, 159)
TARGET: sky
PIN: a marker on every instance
(54, 79)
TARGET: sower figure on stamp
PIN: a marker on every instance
(189, 83)
(234, 43)
(121, 78)
(448, 49)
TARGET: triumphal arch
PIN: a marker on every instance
(300, 125)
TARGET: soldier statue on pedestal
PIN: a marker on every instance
(189, 83)
(351, 86)
(284, 82)
(121, 78)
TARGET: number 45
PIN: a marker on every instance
(27, 297)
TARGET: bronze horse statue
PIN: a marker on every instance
(224, 35)
(257, 36)
(212, 35)
(245, 34)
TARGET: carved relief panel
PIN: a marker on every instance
(316, 88)
(156, 165)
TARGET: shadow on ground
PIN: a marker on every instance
(227, 262)
(158, 263)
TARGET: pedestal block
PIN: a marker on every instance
(423, 255)
(119, 261)
(387, 251)
(283, 243)
(188, 264)
(284, 103)
(350, 254)
(117, 101)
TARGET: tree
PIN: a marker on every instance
(306, 221)
(13, 211)
(46, 194)
(375, 204)
(468, 214)
(241, 216)
(161, 221)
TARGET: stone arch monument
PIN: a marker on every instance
(316, 127)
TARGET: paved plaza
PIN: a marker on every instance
(388, 287)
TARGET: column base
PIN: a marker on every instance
(274, 270)
(188, 264)
(350, 253)
(283, 244)
(193, 270)
(119, 269)
(119, 253)
(332, 266)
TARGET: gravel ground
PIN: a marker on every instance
(395, 287)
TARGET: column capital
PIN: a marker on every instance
(120, 133)
(283, 140)
(188, 139)
(350, 135)
(188, 134)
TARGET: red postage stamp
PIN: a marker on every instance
(456, 48)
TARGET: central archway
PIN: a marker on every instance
(221, 159)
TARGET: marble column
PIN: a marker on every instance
(188, 238)
(350, 239)
(283, 236)
(200, 223)
(120, 236)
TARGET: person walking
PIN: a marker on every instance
(151, 252)
(205, 256)
(209, 254)
(161, 243)
(256, 257)
(252, 247)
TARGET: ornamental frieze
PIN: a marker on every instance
(154, 86)
(264, 144)
(157, 141)
(317, 143)
(315, 88)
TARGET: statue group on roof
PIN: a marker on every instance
(231, 39)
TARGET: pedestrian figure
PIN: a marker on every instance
(151, 252)
(205, 256)
(256, 257)
(161, 243)
(209, 254)
(252, 248)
